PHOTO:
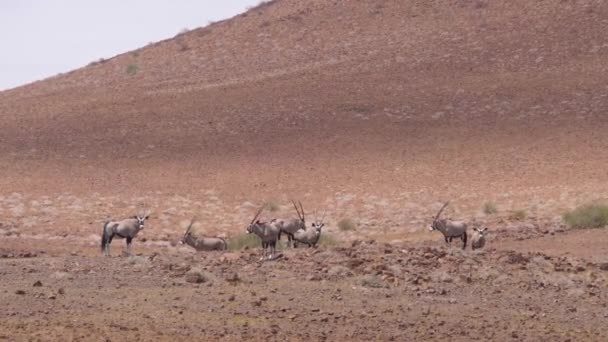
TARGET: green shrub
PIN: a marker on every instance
(587, 216)
(518, 215)
(370, 281)
(272, 206)
(347, 224)
(490, 208)
(327, 240)
(243, 241)
(132, 69)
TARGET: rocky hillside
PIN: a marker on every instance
(396, 102)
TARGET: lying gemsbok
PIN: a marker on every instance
(450, 229)
(125, 229)
(201, 243)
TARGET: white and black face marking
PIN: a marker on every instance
(481, 232)
(318, 226)
(141, 221)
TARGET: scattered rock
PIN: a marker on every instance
(37, 284)
(313, 277)
(20, 292)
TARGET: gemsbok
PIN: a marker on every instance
(201, 243)
(124, 229)
(290, 226)
(310, 237)
(267, 232)
(450, 229)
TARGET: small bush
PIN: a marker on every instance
(518, 215)
(243, 241)
(587, 216)
(327, 240)
(272, 206)
(347, 224)
(197, 276)
(370, 281)
(132, 69)
(490, 208)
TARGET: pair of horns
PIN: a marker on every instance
(322, 217)
(441, 210)
(258, 213)
(300, 214)
(190, 225)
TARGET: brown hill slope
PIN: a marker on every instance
(403, 101)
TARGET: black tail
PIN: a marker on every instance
(279, 237)
(104, 237)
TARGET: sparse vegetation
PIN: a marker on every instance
(347, 224)
(518, 215)
(370, 281)
(587, 216)
(327, 240)
(490, 208)
(243, 241)
(272, 206)
(132, 69)
(97, 62)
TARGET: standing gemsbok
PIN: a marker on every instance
(450, 229)
(267, 232)
(290, 226)
(310, 237)
(201, 243)
(125, 229)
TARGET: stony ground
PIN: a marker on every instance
(374, 111)
(538, 282)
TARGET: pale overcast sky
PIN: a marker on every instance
(41, 38)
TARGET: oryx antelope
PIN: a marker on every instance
(125, 229)
(201, 243)
(267, 232)
(309, 237)
(450, 229)
(291, 226)
(478, 240)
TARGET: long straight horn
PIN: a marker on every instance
(302, 209)
(323, 217)
(297, 210)
(441, 210)
(258, 213)
(190, 225)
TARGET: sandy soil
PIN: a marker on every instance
(376, 112)
(364, 290)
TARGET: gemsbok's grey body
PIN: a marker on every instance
(201, 243)
(478, 240)
(290, 226)
(450, 229)
(309, 237)
(267, 232)
(125, 229)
